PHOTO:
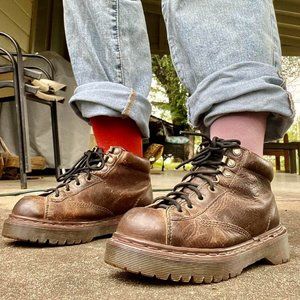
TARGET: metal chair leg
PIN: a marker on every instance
(20, 121)
(55, 136)
(22, 159)
(21, 108)
(18, 69)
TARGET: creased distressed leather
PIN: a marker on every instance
(122, 184)
(241, 207)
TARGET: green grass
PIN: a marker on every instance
(170, 165)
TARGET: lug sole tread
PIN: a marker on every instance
(167, 266)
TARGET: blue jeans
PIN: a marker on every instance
(227, 53)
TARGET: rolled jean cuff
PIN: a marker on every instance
(243, 87)
(113, 100)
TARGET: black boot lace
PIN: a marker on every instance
(206, 165)
(92, 160)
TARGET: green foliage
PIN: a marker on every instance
(165, 74)
(294, 131)
(290, 68)
(170, 84)
(291, 72)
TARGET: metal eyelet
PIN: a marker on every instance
(231, 163)
(237, 151)
(116, 151)
(212, 190)
(221, 169)
(110, 160)
(217, 179)
(227, 173)
(225, 159)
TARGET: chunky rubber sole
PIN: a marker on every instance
(195, 265)
(45, 232)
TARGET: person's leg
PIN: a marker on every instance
(222, 217)
(109, 131)
(248, 127)
(110, 54)
(227, 53)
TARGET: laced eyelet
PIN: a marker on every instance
(110, 160)
(227, 174)
(209, 165)
(231, 163)
(213, 190)
(236, 151)
(190, 206)
(92, 160)
(217, 180)
(116, 151)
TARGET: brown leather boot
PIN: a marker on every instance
(88, 203)
(220, 219)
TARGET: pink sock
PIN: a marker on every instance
(248, 127)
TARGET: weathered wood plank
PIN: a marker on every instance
(6, 92)
(152, 7)
(288, 29)
(292, 41)
(11, 28)
(287, 5)
(17, 15)
(288, 17)
(25, 5)
(290, 51)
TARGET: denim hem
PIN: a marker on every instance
(114, 100)
(243, 87)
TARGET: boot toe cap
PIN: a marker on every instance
(144, 224)
(31, 207)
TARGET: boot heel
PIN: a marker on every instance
(279, 252)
